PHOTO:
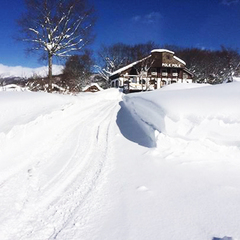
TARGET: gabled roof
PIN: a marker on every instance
(129, 66)
(180, 60)
(135, 63)
(188, 71)
(161, 51)
(168, 51)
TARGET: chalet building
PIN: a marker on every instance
(160, 68)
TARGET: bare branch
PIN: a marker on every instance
(57, 27)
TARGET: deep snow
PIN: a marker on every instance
(157, 165)
(25, 72)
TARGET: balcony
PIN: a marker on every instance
(164, 74)
(154, 73)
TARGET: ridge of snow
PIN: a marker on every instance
(25, 72)
(92, 84)
(162, 50)
(128, 66)
(136, 62)
(154, 165)
(180, 60)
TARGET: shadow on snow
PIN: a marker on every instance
(225, 238)
(131, 129)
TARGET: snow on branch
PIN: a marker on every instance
(57, 27)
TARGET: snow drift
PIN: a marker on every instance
(157, 165)
(191, 116)
(24, 72)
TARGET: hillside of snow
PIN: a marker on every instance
(24, 72)
(157, 165)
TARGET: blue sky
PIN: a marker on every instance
(188, 23)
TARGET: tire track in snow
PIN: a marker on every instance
(101, 144)
(57, 201)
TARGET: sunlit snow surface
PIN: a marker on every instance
(24, 72)
(157, 165)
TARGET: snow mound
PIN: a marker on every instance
(24, 72)
(157, 165)
(189, 118)
(12, 87)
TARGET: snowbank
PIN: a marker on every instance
(24, 72)
(157, 165)
(200, 113)
(196, 159)
(13, 87)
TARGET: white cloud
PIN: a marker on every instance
(153, 17)
(229, 2)
(19, 71)
(136, 18)
(148, 18)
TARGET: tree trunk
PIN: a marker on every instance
(50, 57)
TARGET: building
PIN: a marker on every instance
(93, 87)
(160, 68)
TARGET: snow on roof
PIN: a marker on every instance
(128, 66)
(91, 85)
(161, 50)
(134, 63)
(180, 60)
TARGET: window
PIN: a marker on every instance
(142, 81)
(174, 73)
(185, 76)
(164, 72)
(153, 71)
(134, 80)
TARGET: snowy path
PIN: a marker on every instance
(91, 168)
(63, 165)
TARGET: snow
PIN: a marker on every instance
(91, 85)
(12, 87)
(180, 60)
(134, 63)
(162, 50)
(156, 165)
(24, 72)
(168, 51)
(236, 79)
(129, 66)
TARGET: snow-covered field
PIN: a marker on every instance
(24, 72)
(104, 166)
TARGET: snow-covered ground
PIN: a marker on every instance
(24, 72)
(157, 165)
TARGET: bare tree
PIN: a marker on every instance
(113, 57)
(56, 28)
(210, 66)
(77, 71)
(142, 69)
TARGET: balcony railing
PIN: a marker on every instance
(164, 74)
(154, 73)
